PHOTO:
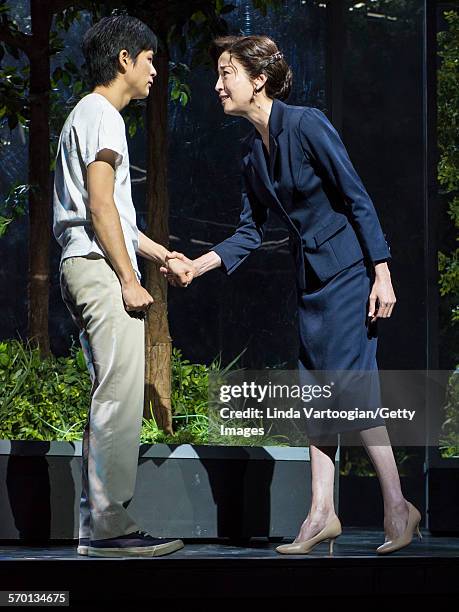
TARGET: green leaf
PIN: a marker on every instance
(132, 129)
(80, 360)
(198, 17)
(4, 223)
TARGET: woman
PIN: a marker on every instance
(296, 166)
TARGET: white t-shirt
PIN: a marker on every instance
(94, 124)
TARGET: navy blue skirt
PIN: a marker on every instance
(336, 336)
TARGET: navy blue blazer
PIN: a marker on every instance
(312, 185)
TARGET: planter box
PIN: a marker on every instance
(181, 490)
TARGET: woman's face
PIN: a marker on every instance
(234, 88)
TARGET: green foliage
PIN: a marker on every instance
(448, 103)
(14, 206)
(190, 402)
(134, 116)
(448, 178)
(179, 91)
(193, 431)
(48, 399)
(355, 461)
(448, 143)
(41, 399)
(189, 385)
(448, 266)
(14, 81)
(449, 442)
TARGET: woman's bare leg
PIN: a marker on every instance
(322, 504)
(377, 444)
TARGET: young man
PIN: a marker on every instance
(95, 224)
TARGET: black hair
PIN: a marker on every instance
(103, 42)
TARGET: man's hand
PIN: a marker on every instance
(135, 297)
(179, 270)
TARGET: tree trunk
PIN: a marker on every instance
(158, 343)
(39, 178)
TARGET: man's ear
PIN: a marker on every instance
(123, 58)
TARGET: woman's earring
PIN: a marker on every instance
(255, 91)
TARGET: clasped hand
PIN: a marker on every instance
(178, 269)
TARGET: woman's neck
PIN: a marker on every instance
(259, 114)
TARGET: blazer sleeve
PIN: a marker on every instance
(248, 235)
(323, 146)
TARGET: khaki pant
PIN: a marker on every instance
(113, 344)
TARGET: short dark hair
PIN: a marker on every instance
(103, 42)
(258, 55)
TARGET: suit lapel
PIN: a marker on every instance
(259, 175)
(257, 156)
(263, 174)
(273, 147)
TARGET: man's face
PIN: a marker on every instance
(140, 75)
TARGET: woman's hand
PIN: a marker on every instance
(382, 292)
(178, 270)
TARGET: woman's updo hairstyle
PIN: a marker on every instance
(258, 55)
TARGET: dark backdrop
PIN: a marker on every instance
(366, 73)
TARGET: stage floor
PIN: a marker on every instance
(354, 542)
(219, 569)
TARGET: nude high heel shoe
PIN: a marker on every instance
(330, 532)
(414, 518)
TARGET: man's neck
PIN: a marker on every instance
(116, 95)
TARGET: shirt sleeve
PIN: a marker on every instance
(323, 146)
(108, 133)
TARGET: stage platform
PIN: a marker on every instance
(248, 571)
